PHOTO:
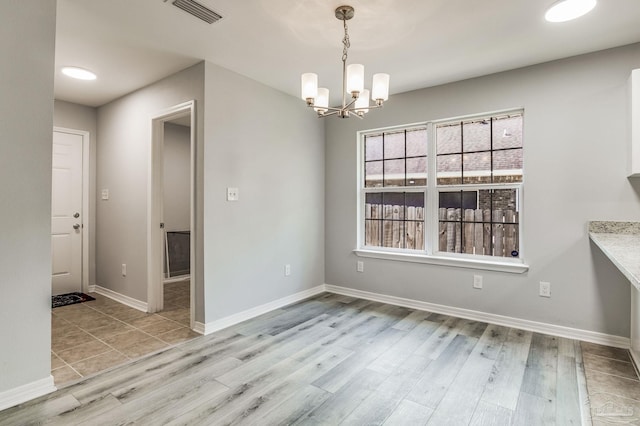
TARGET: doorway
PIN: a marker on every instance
(69, 207)
(171, 243)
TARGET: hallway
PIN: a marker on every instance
(94, 336)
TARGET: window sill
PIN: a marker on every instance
(515, 268)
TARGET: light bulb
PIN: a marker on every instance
(309, 86)
(362, 104)
(355, 78)
(380, 87)
(322, 100)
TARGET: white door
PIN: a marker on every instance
(66, 213)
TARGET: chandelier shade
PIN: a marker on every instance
(309, 85)
(353, 78)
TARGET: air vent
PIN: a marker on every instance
(198, 10)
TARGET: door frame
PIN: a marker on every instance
(86, 219)
(155, 206)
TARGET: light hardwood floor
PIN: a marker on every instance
(337, 360)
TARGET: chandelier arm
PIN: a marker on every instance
(327, 115)
(332, 109)
(347, 106)
(366, 108)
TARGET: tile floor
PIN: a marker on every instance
(612, 384)
(94, 336)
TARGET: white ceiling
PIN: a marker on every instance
(421, 43)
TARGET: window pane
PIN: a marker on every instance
(394, 172)
(487, 227)
(394, 145)
(416, 171)
(477, 168)
(414, 225)
(507, 132)
(505, 223)
(394, 219)
(417, 143)
(373, 174)
(449, 139)
(507, 166)
(449, 213)
(373, 147)
(449, 169)
(373, 219)
(477, 136)
(393, 205)
(373, 206)
(393, 223)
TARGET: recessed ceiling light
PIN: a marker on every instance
(79, 73)
(566, 10)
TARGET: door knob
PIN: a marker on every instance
(76, 215)
(76, 226)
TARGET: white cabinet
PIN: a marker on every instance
(634, 124)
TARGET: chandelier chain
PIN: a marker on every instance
(345, 41)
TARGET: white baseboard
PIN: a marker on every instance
(538, 327)
(26, 392)
(176, 279)
(225, 322)
(125, 300)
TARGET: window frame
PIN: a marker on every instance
(431, 254)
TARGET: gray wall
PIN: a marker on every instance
(80, 117)
(124, 126)
(575, 148)
(271, 147)
(177, 174)
(27, 39)
(273, 151)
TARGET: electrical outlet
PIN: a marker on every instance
(104, 194)
(124, 269)
(477, 281)
(545, 289)
(233, 194)
(287, 270)
(360, 266)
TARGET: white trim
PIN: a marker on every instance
(199, 327)
(635, 357)
(538, 327)
(233, 319)
(118, 297)
(486, 265)
(155, 288)
(176, 279)
(86, 219)
(27, 392)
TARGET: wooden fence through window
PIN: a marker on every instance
(472, 231)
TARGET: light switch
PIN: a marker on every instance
(105, 194)
(233, 194)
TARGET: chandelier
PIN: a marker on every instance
(352, 83)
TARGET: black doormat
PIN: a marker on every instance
(69, 299)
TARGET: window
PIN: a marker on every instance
(449, 188)
(395, 179)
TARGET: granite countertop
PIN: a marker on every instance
(620, 242)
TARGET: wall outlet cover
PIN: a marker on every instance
(545, 289)
(477, 281)
(233, 194)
